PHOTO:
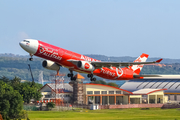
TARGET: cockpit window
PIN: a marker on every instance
(26, 41)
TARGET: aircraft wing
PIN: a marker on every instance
(100, 64)
(117, 64)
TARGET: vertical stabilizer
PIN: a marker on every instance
(137, 68)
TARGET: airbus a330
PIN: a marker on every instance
(57, 57)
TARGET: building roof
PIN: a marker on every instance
(172, 85)
(109, 86)
(146, 91)
(78, 76)
(65, 86)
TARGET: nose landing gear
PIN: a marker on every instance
(31, 58)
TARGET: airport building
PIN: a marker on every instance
(145, 91)
(52, 92)
(105, 94)
(108, 95)
(148, 96)
(142, 93)
(168, 82)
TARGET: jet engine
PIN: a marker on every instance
(85, 65)
(50, 65)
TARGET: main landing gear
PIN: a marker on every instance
(91, 77)
(74, 78)
(71, 75)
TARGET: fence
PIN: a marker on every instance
(140, 106)
(68, 106)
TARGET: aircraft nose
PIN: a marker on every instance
(29, 45)
(21, 44)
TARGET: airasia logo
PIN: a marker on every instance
(41, 50)
(86, 66)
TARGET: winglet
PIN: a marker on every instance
(158, 61)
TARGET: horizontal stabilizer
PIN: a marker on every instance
(138, 76)
(158, 61)
(157, 76)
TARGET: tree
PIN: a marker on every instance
(36, 85)
(26, 89)
(104, 83)
(50, 105)
(112, 84)
(29, 92)
(15, 83)
(11, 102)
(99, 82)
(4, 79)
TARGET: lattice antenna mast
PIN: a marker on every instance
(58, 79)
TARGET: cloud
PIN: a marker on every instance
(22, 35)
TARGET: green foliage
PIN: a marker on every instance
(50, 105)
(5, 79)
(29, 92)
(112, 84)
(11, 102)
(23, 114)
(18, 66)
(26, 89)
(99, 82)
(36, 85)
(15, 82)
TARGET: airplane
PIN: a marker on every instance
(57, 57)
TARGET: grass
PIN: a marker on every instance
(108, 114)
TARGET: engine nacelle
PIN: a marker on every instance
(85, 65)
(50, 65)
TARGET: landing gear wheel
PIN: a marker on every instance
(30, 59)
(89, 75)
(70, 75)
(73, 78)
(93, 79)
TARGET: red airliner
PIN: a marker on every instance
(57, 57)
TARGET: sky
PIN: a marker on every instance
(103, 27)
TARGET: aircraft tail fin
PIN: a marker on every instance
(137, 68)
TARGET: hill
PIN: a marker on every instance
(130, 59)
(17, 65)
